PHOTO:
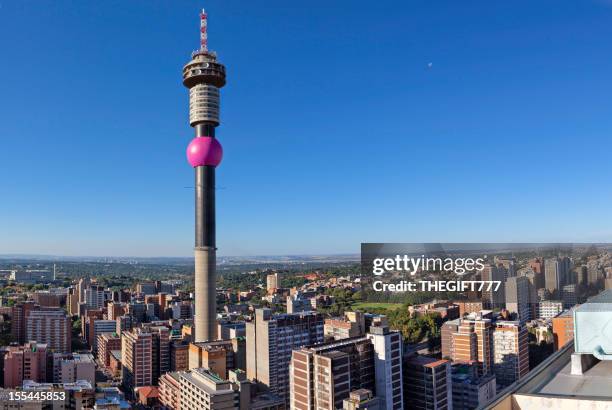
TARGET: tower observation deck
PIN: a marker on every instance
(204, 76)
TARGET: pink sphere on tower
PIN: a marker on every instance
(204, 151)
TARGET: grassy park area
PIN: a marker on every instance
(368, 306)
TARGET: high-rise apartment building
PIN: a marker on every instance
(27, 362)
(107, 342)
(322, 376)
(510, 352)
(427, 383)
(469, 340)
(51, 327)
(136, 359)
(388, 365)
(270, 340)
(160, 351)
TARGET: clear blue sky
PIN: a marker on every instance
(334, 130)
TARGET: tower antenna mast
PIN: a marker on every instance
(203, 31)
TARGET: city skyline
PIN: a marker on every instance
(464, 91)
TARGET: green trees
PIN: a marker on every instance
(415, 329)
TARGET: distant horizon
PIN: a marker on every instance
(41, 256)
(493, 246)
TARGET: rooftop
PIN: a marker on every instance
(596, 382)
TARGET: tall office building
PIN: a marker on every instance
(510, 352)
(136, 359)
(427, 384)
(204, 75)
(160, 351)
(270, 340)
(50, 326)
(557, 274)
(569, 296)
(323, 376)
(518, 297)
(388, 365)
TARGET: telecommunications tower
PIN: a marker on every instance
(204, 76)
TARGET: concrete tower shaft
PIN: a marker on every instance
(204, 76)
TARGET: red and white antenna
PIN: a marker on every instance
(203, 31)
